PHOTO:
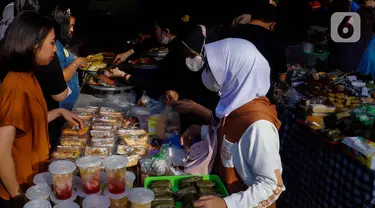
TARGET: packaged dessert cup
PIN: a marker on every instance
(76, 182)
(130, 178)
(55, 200)
(89, 168)
(141, 198)
(117, 200)
(39, 203)
(43, 178)
(62, 173)
(40, 191)
(68, 204)
(103, 180)
(96, 201)
(116, 178)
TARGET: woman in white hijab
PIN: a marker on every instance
(8, 15)
(247, 136)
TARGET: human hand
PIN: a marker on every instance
(243, 19)
(183, 106)
(81, 62)
(210, 202)
(71, 118)
(186, 138)
(170, 96)
(120, 58)
(116, 73)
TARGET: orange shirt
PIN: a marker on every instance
(22, 105)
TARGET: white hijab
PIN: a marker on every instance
(241, 71)
(8, 16)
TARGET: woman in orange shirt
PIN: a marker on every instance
(24, 142)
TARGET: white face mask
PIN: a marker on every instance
(209, 81)
(165, 40)
(194, 64)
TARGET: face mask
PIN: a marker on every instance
(194, 64)
(209, 81)
(165, 40)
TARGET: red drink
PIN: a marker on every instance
(63, 186)
(89, 168)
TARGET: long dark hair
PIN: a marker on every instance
(62, 17)
(27, 30)
(25, 5)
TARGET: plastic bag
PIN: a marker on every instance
(167, 123)
(124, 100)
(159, 164)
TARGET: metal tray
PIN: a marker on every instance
(103, 88)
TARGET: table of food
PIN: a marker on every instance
(111, 162)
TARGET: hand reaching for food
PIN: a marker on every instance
(170, 96)
(116, 73)
(243, 19)
(81, 62)
(120, 58)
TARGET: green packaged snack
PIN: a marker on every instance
(162, 191)
(160, 184)
(206, 184)
(182, 192)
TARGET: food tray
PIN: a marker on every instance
(103, 88)
(175, 179)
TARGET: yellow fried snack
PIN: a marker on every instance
(96, 57)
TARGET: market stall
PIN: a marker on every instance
(327, 163)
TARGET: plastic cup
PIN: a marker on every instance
(141, 198)
(40, 191)
(89, 167)
(117, 200)
(43, 178)
(152, 122)
(130, 178)
(67, 205)
(58, 201)
(62, 173)
(115, 168)
(76, 182)
(96, 201)
(39, 203)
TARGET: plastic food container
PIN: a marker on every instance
(130, 178)
(76, 182)
(152, 121)
(67, 205)
(115, 168)
(39, 203)
(96, 201)
(117, 200)
(141, 198)
(58, 201)
(89, 167)
(40, 191)
(42, 178)
(62, 173)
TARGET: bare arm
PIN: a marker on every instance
(60, 97)
(8, 170)
(70, 71)
(202, 112)
(53, 114)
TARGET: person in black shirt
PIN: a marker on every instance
(259, 31)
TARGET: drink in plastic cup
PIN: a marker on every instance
(62, 173)
(96, 201)
(40, 191)
(89, 167)
(39, 203)
(141, 198)
(117, 200)
(68, 204)
(115, 168)
(130, 178)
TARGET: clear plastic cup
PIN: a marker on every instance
(62, 173)
(89, 168)
(96, 201)
(55, 201)
(76, 182)
(40, 191)
(115, 168)
(39, 203)
(43, 178)
(117, 200)
(67, 205)
(130, 178)
(141, 198)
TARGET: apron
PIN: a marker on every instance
(367, 63)
(65, 59)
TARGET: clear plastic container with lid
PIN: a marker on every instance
(58, 201)
(68, 204)
(117, 200)
(62, 173)
(89, 167)
(43, 178)
(40, 191)
(141, 198)
(115, 168)
(130, 178)
(96, 201)
(39, 203)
